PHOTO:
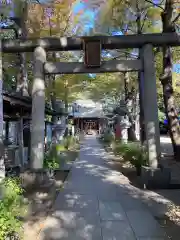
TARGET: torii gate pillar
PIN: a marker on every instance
(152, 176)
(151, 107)
(38, 106)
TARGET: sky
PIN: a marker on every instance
(86, 13)
(176, 68)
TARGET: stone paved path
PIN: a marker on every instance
(98, 203)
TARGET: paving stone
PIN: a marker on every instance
(111, 211)
(149, 238)
(73, 200)
(95, 204)
(117, 230)
(65, 200)
(72, 226)
(87, 186)
(74, 217)
(143, 224)
(131, 202)
(66, 166)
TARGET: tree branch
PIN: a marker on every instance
(67, 24)
(143, 22)
(176, 18)
(154, 4)
(134, 56)
(129, 29)
(176, 25)
(158, 49)
(38, 1)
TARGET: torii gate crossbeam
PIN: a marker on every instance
(71, 43)
(106, 66)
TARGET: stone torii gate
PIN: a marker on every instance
(41, 68)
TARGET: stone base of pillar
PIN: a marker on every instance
(39, 194)
(159, 178)
(35, 178)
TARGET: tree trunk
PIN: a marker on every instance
(140, 78)
(53, 103)
(126, 81)
(66, 93)
(2, 165)
(21, 141)
(169, 102)
(53, 95)
(137, 115)
(129, 105)
(22, 81)
(141, 114)
(166, 80)
(22, 84)
(131, 130)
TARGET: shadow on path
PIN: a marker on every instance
(99, 203)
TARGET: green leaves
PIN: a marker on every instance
(124, 14)
(11, 207)
(104, 85)
(51, 160)
(131, 152)
(154, 13)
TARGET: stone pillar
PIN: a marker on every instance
(150, 107)
(38, 107)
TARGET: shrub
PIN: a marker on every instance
(11, 207)
(50, 163)
(120, 148)
(136, 155)
(60, 148)
(132, 152)
(161, 116)
(107, 137)
(51, 159)
(70, 141)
